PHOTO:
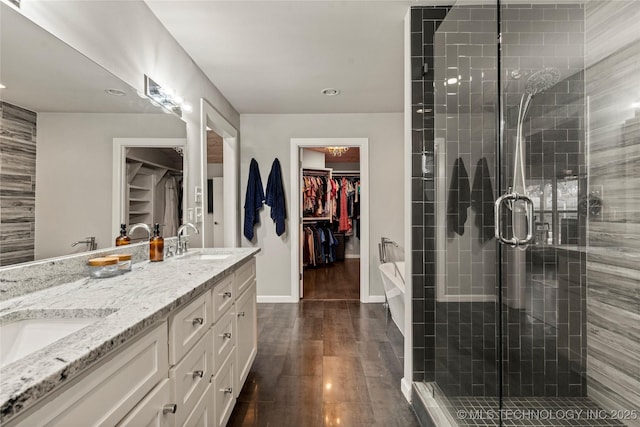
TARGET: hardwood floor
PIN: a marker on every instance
(325, 363)
(340, 280)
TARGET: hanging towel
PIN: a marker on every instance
(253, 200)
(482, 199)
(275, 197)
(459, 199)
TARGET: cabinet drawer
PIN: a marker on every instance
(191, 377)
(154, 410)
(224, 339)
(245, 275)
(202, 415)
(107, 393)
(223, 392)
(188, 325)
(223, 296)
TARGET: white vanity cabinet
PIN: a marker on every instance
(187, 370)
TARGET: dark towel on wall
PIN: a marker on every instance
(275, 197)
(253, 200)
(482, 199)
(459, 199)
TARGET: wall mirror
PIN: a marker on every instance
(60, 113)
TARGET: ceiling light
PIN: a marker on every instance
(452, 80)
(188, 108)
(330, 91)
(337, 151)
(424, 110)
(115, 92)
(635, 105)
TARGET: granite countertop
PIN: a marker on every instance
(126, 305)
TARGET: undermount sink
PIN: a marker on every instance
(211, 257)
(23, 336)
(204, 255)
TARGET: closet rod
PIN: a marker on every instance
(314, 173)
(346, 173)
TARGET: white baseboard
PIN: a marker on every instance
(276, 299)
(405, 386)
(375, 299)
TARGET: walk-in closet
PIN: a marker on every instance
(330, 229)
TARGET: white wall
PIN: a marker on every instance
(127, 39)
(311, 158)
(73, 174)
(267, 136)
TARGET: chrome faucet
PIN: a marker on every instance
(183, 240)
(89, 241)
(140, 225)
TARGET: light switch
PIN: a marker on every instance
(190, 214)
(198, 195)
(198, 214)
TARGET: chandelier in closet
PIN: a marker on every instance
(337, 151)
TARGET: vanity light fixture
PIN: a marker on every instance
(165, 97)
(2, 86)
(337, 151)
(330, 91)
(635, 104)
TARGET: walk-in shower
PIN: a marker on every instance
(526, 300)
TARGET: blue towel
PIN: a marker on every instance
(275, 197)
(253, 200)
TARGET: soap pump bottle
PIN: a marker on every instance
(156, 245)
(123, 239)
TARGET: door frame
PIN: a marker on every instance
(294, 208)
(119, 177)
(210, 118)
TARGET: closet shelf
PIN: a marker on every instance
(139, 200)
(317, 218)
(149, 163)
(138, 187)
(139, 212)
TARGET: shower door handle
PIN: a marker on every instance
(513, 197)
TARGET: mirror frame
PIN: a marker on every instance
(120, 146)
(210, 118)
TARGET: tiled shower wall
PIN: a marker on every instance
(424, 22)
(544, 347)
(613, 272)
(17, 184)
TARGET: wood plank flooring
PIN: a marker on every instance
(325, 363)
(340, 280)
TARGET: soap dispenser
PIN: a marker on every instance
(156, 245)
(123, 239)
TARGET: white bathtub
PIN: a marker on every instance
(394, 290)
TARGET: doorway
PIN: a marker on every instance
(349, 277)
(214, 213)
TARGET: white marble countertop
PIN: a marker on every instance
(130, 304)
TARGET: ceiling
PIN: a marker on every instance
(276, 56)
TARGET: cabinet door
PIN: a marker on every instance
(188, 325)
(224, 338)
(224, 391)
(106, 394)
(154, 411)
(202, 415)
(191, 377)
(247, 334)
(223, 296)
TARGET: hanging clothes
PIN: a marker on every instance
(275, 197)
(254, 199)
(319, 245)
(170, 206)
(459, 198)
(344, 209)
(482, 198)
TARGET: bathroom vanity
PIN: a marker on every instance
(168, 344)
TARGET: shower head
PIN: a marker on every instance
(542, 80)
